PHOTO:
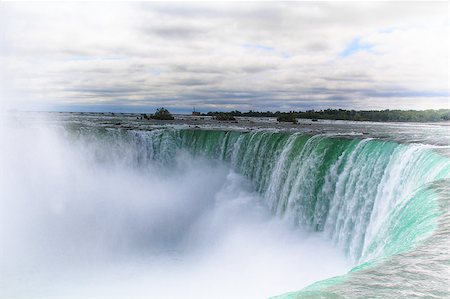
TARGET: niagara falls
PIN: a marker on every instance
(188, 150)
(169, 210)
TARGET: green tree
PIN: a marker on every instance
(162, 114)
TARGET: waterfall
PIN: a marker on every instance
(347, 188)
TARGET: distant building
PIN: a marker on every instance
(196, 113)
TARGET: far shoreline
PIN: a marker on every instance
(379, 116)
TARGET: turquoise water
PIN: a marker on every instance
(97, 185)
(383, 203)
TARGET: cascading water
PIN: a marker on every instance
(379, 201)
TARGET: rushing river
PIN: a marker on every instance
(96, 205)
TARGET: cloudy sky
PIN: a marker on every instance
(135, 56)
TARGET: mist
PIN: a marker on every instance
(79, 219)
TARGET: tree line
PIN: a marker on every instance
(341, 114)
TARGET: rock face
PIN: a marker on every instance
(225, 117)
(290, 117)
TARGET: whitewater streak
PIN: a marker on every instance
(378, 201)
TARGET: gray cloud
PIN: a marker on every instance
(175, 32)
(260, 56)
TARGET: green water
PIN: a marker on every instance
(383, 203)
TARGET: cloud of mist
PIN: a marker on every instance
(74, 226)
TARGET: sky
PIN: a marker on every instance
(136, 56)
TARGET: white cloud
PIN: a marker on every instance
(226, 56)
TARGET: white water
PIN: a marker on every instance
(72, 226)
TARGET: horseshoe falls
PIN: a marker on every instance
(95, 206)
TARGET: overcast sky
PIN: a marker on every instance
(212, 56)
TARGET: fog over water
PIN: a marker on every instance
(76, 219)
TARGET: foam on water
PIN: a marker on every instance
(96, 218)
(176, 212)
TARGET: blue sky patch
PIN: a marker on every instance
(387, 30)
(355, 46)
